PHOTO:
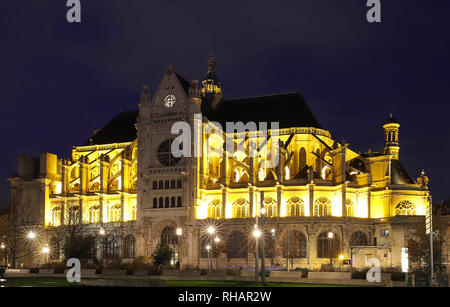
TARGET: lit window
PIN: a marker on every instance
(295, 206)
(94, 214)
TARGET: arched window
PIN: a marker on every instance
(94, 214)
(179, 184)
(302, 158)
(168, 236)
(129, 247)
(405, 207)
(179, 201)
(161, 185)
(73, 215)
(295, 206)
(328, 247)
(56, 216)
(172, 184)
(215, 209)
(271, 206)
(240, 208)
(111, 249)
(114, 213)
(172, 201)
(167, 202)
(358, 238)
(350, 208)
(155, 202)
(322, 207)
(161, 202)
(166, 184)
(155, 185)
(237, 245)
(294, 244)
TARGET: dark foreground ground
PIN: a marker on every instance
(62, 282)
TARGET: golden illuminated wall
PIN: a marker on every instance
(97, 185)
(363, 194)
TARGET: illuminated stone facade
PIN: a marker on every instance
(125, 181)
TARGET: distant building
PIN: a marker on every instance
(126, 181)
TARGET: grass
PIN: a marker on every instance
(37, 282)
(219, 283)
(62, 282)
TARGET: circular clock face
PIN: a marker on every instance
(169, 101)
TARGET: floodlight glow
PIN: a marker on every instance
(257, 233)
(217, 239)
(330, 235)
(46, 250)
(101, 231)
(31, 235)
(208, 247)
(211, 230)
(179, 231)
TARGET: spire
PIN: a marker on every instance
(391, 140)
(211, 90)
(145, 94)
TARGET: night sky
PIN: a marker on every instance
(60, 81)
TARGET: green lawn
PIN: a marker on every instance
(37, 282)
(62, 282)
(219, 283)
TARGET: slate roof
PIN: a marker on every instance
(289, 109)
(119, 130)
(399, 175)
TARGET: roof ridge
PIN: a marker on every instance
(266, 95)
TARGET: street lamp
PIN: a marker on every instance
(102, 233)
(272, 231)
(341, 258)
(208, 248)
(179, 233)
(211, 230)
(263, 250)
(31, 236)
(45, 251)
(330, 237)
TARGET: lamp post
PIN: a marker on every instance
(102, 233)
(330, 237)
(179, 233)
(45, 251)
(256, 236)
(217, 241)
(208, 248)
(273, 245)
(341, 258)
(263, 252)
(211, 231)
(31, 236)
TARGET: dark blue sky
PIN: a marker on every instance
(60, 81)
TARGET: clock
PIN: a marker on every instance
(169, 101)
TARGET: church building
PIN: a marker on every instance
(323, 202)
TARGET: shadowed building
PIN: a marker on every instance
(127, 181)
